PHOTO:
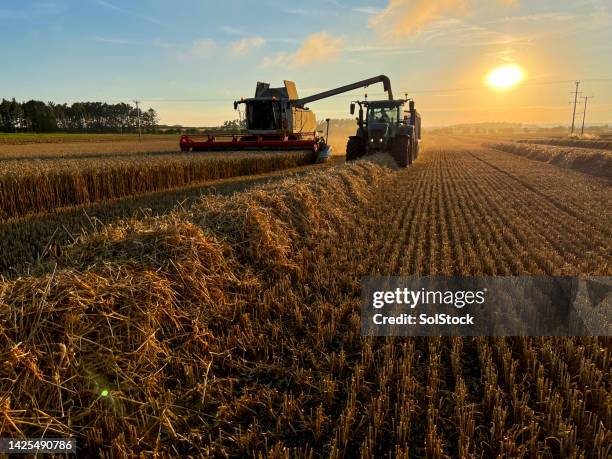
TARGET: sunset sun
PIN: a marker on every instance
(505, 77)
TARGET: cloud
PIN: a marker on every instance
(242, 46)
(318, 47)
(298, 11)
(382, 49)
(368, 10)
(156, 43)
(125, 11)
(402, 18)
(229, 30)
(535, 18)
(202, 48)
(114, 40)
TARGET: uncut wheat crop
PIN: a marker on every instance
(568, 142)
(41, 185)
(588, 160)
(232, 329)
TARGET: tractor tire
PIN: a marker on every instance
(402, 150)
(354, 148)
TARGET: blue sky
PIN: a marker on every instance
(190, 59)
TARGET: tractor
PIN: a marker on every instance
(386, 127)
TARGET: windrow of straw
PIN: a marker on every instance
(568, 142)
(32, 186)
(130, 344)
(589, 161)
(25, 241)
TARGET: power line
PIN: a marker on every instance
(586, 99)
(575, 102)
(138, 114)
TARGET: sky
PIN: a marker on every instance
(191, 59)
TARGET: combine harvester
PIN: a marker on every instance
(277, 119)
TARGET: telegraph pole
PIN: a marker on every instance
(140, 131)
(586, 99)
(575, 102)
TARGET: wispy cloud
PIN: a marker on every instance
(288, 41)
(403, 18)
(553, 17)
(115, 41)
(368, 10)
(318, 47)
(157, 43)
(122, 10)
(447, 32)
(202, 48)
(242, 46)
(382, 49)
(230, 30)
(298, 11)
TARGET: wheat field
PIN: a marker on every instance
(33, 185)
(591, 160)
(599, 144)
(232, 329)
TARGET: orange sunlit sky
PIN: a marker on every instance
(463, 61)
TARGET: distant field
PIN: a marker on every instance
(19, 138)
(21, 146)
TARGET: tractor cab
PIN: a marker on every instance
(381, 121)
(386, 125)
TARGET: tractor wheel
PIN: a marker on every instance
(417, 149)
(354, 148)
(402, 150)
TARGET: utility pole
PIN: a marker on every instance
(140, 131)
(586, 99)
(575, 102)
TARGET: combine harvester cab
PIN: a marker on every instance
(277, 119)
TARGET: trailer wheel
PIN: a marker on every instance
(402, 150)
(354, 148)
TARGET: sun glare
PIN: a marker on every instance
(505, 77)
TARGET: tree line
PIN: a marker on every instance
(95, 117)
